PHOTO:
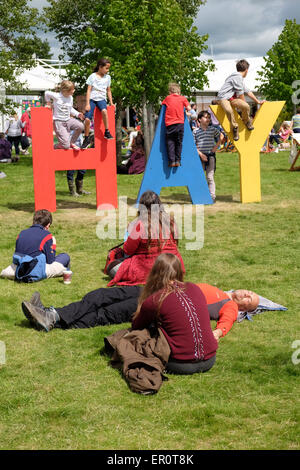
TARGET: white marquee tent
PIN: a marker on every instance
(46, 75)
(223, 69)
(226, 67)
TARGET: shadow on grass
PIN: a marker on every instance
(227, 198)
(286, 170)
(75, 204)
(26, 324)
(61, 204)
(104, 353)
(166, 199)
(185, 198)
(21, 206)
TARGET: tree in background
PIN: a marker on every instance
(281, 67)
(150, 42)
(18, 43)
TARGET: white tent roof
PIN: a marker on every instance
(226, 67)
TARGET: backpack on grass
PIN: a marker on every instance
(30, 269)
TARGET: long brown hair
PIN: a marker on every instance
(152, 214)
(166, 270)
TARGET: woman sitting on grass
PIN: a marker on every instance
(179, 309)
(137, 161)
(152, 233)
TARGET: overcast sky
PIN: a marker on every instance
(236, 28)
(244, 28)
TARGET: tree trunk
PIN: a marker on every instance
(148, 119)
(145, 127)
(151, 121)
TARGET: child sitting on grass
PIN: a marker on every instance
(37, 240)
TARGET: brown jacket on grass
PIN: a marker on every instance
(141, 356)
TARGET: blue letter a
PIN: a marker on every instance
(158, 175)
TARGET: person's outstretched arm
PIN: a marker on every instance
(253, 97)
(227, 316)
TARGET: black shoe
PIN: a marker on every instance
(79, 187)
(43, 318)
(107, 135)
(249, 126)
(86, 142)
(235, 132)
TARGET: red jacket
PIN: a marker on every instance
(27, 128)
(228, 313)
(135, 269)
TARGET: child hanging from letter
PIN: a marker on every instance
(98, 87)
(62, 112)
(67, 129)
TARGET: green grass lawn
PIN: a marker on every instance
(58, 392)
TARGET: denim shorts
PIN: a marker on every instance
(100, 105)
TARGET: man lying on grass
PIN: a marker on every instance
(114, 305)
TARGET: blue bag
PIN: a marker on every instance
(30, 269)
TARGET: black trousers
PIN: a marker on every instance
(16, 142)
(188, 368)
(122, 169)
(174, 138)
(104, 306)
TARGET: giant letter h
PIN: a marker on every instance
(46, 160)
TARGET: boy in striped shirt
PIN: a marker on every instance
(207, 139)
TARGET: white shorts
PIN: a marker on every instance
(55, 269)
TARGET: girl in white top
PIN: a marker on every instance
(98, 91)
(14, 132)
(62, 104)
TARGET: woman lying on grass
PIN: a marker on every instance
(179, 309)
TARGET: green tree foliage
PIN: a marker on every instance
(190, 7)
(149, 43)
(281, 67)
(18, 42)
